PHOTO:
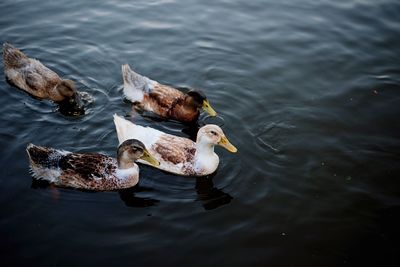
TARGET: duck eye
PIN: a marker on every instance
(213, 132)
(138, 149)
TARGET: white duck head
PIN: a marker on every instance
(211, 135)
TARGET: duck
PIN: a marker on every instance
(163, 100)
(33, 77)
(178, 155)
(89, 171)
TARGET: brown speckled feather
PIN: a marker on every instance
(160, 99)
(79, 170)
(89, 171)
(182, 151)
(168, 102)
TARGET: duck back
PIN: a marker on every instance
(29, 74)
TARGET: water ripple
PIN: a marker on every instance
(308, 91)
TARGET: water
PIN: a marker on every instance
(307, 90)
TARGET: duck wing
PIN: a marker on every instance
(87, 167)
(34, 80)
(174, 149)
(89, 171)
(175, 154)
(39, 77)
(162, 99)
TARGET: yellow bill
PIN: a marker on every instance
(227, 145)
(149, 158)
(207, 108)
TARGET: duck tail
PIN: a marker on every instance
(44, 162)
(128, 130)
(122, 128)
(12, 56)
(135, 85)
(40, 156)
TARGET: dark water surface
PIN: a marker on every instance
(309, 92)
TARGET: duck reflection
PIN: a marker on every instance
(130, 200)
(127, 195)
(211, 196)
(207, 193)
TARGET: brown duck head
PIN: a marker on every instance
(70, 102)
(130, 151)
(199, 100)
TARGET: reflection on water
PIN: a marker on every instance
(211, 196)
(130, 200)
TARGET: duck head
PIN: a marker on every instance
(212, 135)
(130, 151)
(199, 100)
(70, 102)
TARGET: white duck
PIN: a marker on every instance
(178, 155)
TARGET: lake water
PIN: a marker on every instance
(308, 91)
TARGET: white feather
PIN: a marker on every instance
(50, 175)
(127, 130)
(206, 160)
(127, 173)
(11, 74)
(135, 85)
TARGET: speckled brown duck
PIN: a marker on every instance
(89, 171)
(163, 100)
(177, 154)
(36, 79)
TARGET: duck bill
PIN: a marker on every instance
(149, 158)
(227, 145)
(207, 108)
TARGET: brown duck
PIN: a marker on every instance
(89, 171)
(163, 100)
(33, 77)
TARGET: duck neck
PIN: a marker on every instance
(206, 161)
(124, 162)
(123, 165)
(127, 174)
(204, 149)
